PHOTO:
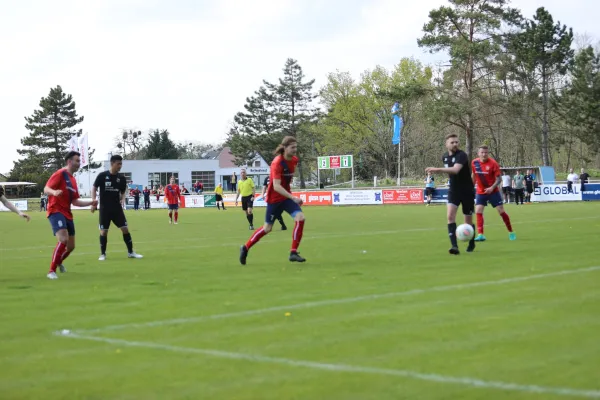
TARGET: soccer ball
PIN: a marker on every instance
(465, 232)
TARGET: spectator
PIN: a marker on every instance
(429, 187)
(136, 198)
(146, 198)
(233, 182)
(43, 199)
(583, 179)
(506, 186)
(571, 179)
(199, 187)
(184, 189)
(518, 186)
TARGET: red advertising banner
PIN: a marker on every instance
(334, 162)
(403, 196)
(314, 198)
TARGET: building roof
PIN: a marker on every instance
(226, 159)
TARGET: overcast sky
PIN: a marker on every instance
(188, 65)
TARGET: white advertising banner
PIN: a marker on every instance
(158, 203)
(21, 205)
(259, 201)
(558, 192)
(194, 201)
(357, 197)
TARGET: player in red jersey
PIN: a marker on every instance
(280, 199)
(487, 177)
(172, 194)
(62, 191)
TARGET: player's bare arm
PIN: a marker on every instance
(84, 203)
(451, 171)
(12, 208)
(52, 192)
(280, 189)
(94, 189)
(494, 186)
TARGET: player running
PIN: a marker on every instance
(264, 194)
(460, 191)
(11, 206)
(486, 174)
(247, 190)
(280, 199)
(62, 191)
(113, 188)
(172, 193)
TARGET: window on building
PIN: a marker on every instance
(206, 177)
(257, 163)
(161, 178)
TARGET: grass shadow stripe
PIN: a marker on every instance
(346, 300)
(429, 377)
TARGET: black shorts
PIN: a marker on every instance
(464, 198)
(117, 217)
(218, 197)
(429, 191)
(506, 189)
(529, 189)
(247, 202)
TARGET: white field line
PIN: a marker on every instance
(444, 379)
(119, 245)
(338, 301)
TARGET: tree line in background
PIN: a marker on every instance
(520, 85)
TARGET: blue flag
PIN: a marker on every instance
(397, 123)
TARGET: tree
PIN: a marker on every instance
(469, 31)
(294, 104)
(50, 128)
(255, 131)
(544, 50)
(274, 111)
(131, 143)
(580, 102)
(161, 146)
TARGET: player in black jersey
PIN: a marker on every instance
(263, 195)
(461, 191)
(112, 187)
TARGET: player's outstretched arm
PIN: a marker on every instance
(451, 171)
(94, 188)
(84, 203)
(12, 208)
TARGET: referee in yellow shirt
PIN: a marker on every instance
(247, 190)
(219, 197)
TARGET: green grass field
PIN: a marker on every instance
(379, 311)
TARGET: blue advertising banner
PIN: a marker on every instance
(591, 192)
(438, 196)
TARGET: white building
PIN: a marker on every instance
(216, 168)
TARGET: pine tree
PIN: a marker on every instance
(161, 146)
(50, 128)
(469, 30)
(544, 50)
(294, 103)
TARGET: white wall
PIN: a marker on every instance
(140, 169)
